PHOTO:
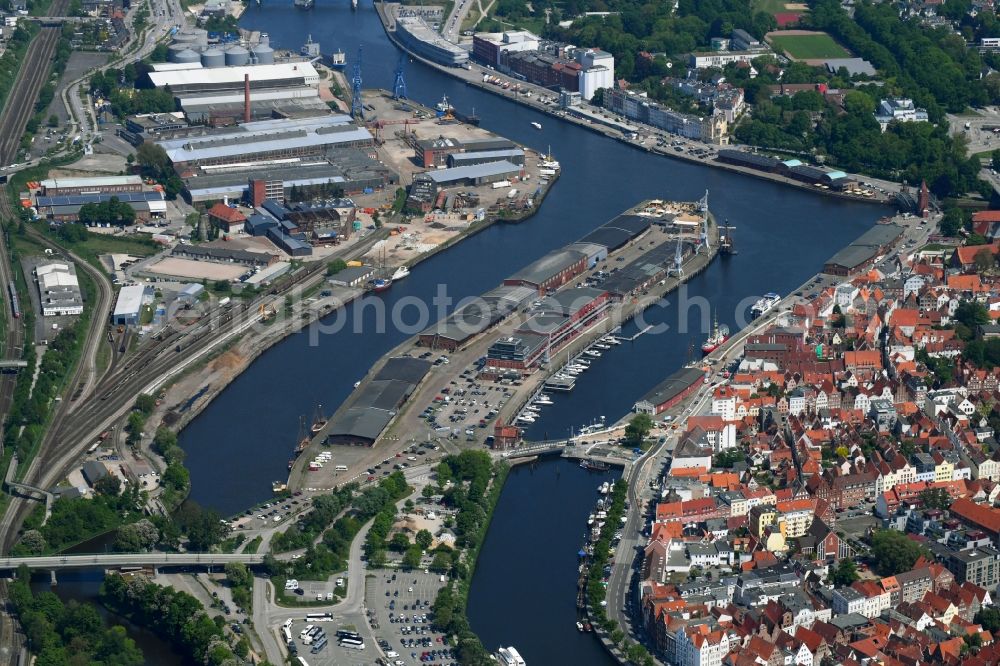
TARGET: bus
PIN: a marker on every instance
(344, 633)
(351, 645)
(319, 645)
(302, 661)
(288, 633)
(319, 617)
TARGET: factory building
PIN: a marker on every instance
(149, 126)
(551, 271)
(53, 187)
(221, 79)
(476, 174)
(514, 156)
(58, 289)
(265, 140)
(147, 205)
(433, 153)
(129, 304)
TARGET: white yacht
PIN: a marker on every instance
(525, 418)
(509, 656)
(400, 273)
(592, 352)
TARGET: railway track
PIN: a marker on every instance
(14, 338)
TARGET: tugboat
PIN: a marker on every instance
(718, 338)
(338, 60)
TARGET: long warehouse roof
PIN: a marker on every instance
(81, 199)
(265, 136)
(472, 171)
(97, 181)
(190, 77)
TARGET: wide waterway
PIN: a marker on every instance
(241, 442)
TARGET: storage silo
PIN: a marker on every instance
(174, 49)
(185, 37)
(264, 54)
(237, 56)
(213, 58)
(187, 56)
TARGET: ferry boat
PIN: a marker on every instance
(400, 273)
(595, 465)
(338, 60)
(509, 656)
(718, 338)
(537, 126)
(763, 304)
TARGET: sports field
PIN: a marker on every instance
(815, 46)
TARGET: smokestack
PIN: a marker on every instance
(246, 98)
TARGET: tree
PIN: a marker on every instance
(984, 260)
(428, 491)
(152, 157)
(989, 619)
(238, 574)
(335, 266)
(441, 562)
(443, 474)
(424, 539)
(109, 485)
(845, 573)
(399, 543)
(952, 221)
(893, 552)
(935, 498)
(33, 541)
(411, 560)
(53, 121)
(145, 403)
(638, 428)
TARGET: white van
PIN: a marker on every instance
(341, 468)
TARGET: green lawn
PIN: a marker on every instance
(810, 47)
(770, 6)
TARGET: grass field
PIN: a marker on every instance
(809, 47)
(770, 6)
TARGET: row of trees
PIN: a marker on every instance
(175, 616)
(113, 211)
(475, 487)
(175, 480)
(64, 633)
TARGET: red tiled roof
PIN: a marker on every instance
(225, 213)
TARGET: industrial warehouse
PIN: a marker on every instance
(559, 317)
(58, 289)
(361, 420)
(60, 199)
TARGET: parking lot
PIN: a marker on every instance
(271, 514)
(399, 603)
(466, 407)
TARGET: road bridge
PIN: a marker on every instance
(112, 560)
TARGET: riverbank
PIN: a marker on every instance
(473, 78)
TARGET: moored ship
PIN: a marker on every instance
(338, 60)
(718, 338)
(763, 304)
(509, 656)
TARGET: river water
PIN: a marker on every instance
(241, 442)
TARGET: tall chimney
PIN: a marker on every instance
(246, 98)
